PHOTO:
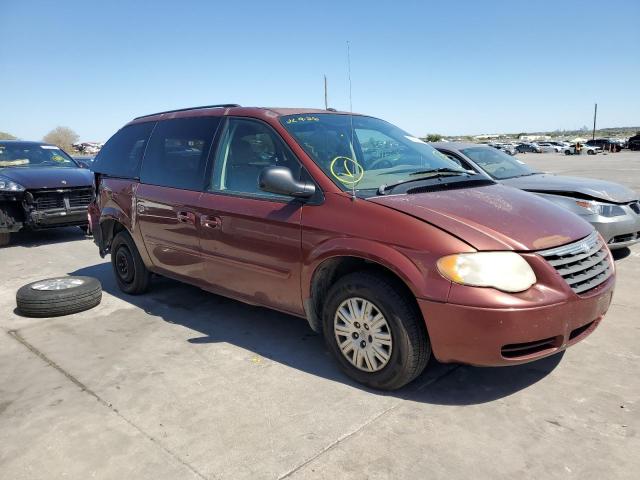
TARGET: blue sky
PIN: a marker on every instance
(451, 67)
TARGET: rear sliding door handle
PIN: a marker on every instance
(186, 217)
(210, 222)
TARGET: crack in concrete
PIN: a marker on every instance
(350, 434)
(15, 334)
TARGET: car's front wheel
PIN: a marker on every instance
(374, 331)
(131, 273)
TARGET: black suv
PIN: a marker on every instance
(634, 142)
(605, 144)
(41, 187)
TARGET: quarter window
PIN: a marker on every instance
(177, 153)
(248, 147)
(121, 155)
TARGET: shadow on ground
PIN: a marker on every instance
(37, 238)
(289, 340)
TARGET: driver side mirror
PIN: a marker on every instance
(280, 180)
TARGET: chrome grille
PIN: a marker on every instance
(584, 264)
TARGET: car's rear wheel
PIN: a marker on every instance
(567, 152)
(132, 275)
(591, 152)
(374, 331)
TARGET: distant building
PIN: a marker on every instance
(488, 136)
(533, 138)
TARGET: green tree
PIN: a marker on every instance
(6, 136)
(62, 137)
(433, 137)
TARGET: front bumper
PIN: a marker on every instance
(618, 232)
(57, 218)
(512, 335)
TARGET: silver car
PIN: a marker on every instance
(614, 210)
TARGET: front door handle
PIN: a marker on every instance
(210, 222)
(186, 217)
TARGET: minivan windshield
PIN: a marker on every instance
(27, 155)
(498, 164)
(366, 154)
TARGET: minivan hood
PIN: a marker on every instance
(598, 189)
(48, 177)
(494, 217)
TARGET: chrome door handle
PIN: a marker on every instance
(186, 217)
(210, 222)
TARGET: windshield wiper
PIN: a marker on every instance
(443, 170)
(434, 173)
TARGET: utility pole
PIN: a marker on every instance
(595, 114)
(326, 103)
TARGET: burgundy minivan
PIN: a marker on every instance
(384, 245)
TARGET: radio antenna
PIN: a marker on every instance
(356, 166)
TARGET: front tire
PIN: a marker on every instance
(130, 271)
(375, 332)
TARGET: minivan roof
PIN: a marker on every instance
(231, 109)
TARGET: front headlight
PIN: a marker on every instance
(7, 185)
(604, 209)
(506, 271)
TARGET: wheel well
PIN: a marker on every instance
(109, 228)
(332, 270)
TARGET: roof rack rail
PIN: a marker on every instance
(221, 105)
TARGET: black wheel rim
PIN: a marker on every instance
(124, 265)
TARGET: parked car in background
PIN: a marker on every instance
(41, 187)
(634, 142)
(584, 149)
(505, 147)
(604, 144)
(528, 148)
(614, 210)
(389, 248)
(549, 147)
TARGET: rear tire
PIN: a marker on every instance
(58, 296)
(130, 271)
(406, 343)
(590, 152)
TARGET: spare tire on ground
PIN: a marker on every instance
(54, 297)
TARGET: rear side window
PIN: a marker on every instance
(177, 153)
(122, 154)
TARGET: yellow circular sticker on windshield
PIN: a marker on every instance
(346, 170)
(58, 158)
